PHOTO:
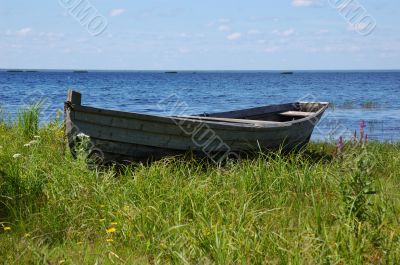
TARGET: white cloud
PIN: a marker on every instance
(253, 32)
(117, 12)
(306, 3)
(358, 26)
(285, 33)
(322, 31)
(288, 32)
(333, 49)
(23, 32)
(224, 28)
(224, 20)
(271, 49)
(184, 50)
(66, 50)
(234, 36)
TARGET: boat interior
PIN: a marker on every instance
(274, 113)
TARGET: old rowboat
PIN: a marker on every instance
(124, 136)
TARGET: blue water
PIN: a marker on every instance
(370, 96)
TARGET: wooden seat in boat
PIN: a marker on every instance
(296, 113)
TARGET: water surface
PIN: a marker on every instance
(370, 96)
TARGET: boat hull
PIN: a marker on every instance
(122, 136)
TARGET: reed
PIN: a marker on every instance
(319, 206)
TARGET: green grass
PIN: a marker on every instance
(317, 207)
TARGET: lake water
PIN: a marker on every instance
(370, 96)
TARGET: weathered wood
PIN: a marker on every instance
(241, 121)
(74, 97)
(297, 113)
(248, 113)
(137, 136)
(231, 133)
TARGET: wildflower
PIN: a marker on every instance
(7, 228)
(339, 145)
(31, 143)
(82, 135)
(17, 155)
(111, 230)
(109, 240)
(362, 127)
(362, 124)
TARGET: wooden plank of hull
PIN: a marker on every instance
(124, 152)
(248, 113)
(256, 123)
(183, 142)
(172, 129)
(236, 140)
(128, 151)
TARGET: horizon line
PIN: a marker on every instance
(188, 70)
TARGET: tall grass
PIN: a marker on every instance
(28, 119)
(308, 208)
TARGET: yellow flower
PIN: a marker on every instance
(7, 228)
(114, 223)
(111, 230)
(109, 240)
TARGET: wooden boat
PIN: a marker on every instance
(124, 136)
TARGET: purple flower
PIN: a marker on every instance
(362, 125)
(339, 145)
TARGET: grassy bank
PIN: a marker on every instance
(309, 208)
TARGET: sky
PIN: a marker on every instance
(200, 35)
